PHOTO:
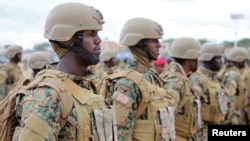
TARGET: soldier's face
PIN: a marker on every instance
(154, 46)
(216, 63)
(194, 65)
(19, 56)
(91, 42)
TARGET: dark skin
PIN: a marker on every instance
(17, 58)
(73, 62)
(189, 66)
(214, 64)
(239, 65)
(111, 63)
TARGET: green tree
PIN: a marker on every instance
(244, 42)
(42, 46)
(202, 41)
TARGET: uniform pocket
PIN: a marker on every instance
(122, 105)
(34, 130)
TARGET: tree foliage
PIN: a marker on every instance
(42, 46)
(245, 42)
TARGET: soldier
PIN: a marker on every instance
(208, 88)
(246, 78)
(69, 112)
(37, 61)
(129, 93)
(108, 63)
(234, 85)
(184, 52)
(10, 70)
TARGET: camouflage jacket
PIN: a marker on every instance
(132, 93)
(13, 73)
(44, 103)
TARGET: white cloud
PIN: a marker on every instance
(22, 22)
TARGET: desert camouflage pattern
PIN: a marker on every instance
(47, 102)
(235, 89)
(9, 74)
(128, 93)
(173, 79)
(206, 93)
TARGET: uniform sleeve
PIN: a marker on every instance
(126, 96)
(196, 85)
(40, 115)
(175, 84)
(230, 84)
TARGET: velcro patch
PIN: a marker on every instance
(122, 98)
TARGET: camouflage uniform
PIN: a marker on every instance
(234, 86)
(246, 113)
(41, 110)
(201, 89)
(208, 89)
(50, 114)
(139, 34)
(10, 70)
(176, 78)
(130, 89)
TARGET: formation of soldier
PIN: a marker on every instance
(148, 99)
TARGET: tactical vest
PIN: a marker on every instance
(13, 72)
(240, 90)
(156, 102)
(90, 108)
(185, 121)
(214, 110)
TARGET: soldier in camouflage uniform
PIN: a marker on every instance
(246, 78)
(10, 70)
(72, 29)
(141, 35)
(208, 88)
(234, 85)
(185, 52)
(37, 61)
(108, 63)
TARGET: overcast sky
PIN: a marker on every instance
(22, 21)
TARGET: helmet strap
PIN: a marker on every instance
(77, 47)
(144, 47)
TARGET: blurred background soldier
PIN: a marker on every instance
(185, 52)
(160, 64)
(37, 61)
(234, 85)
(108, 63)
(208, 88)
(10, 71)
(246, 78)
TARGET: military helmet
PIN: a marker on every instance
(136, 29)
(38, 60)
(107, 54)
(210, 50)
(185, 48)
(237, 54)
(13, 50)
(66, 19)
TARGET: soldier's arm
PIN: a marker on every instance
(175, 84)
(126, 97)
(40, 115)
(230, 85)
(197, 85)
